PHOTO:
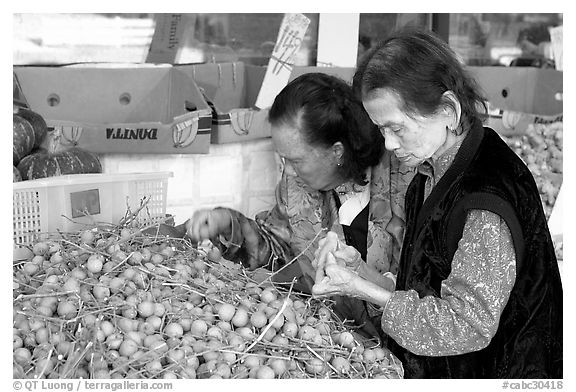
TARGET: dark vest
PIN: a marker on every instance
(486, 175)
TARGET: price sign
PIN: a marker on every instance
(288, 43)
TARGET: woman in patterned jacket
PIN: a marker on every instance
(478, 290)
(336, 177)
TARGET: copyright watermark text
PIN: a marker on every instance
(533, 385)
(89, 385)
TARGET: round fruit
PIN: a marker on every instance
(43, 163)
(315, 366)
(240, 318)
(87, 237)
(67, 310)
(30, 268)
(258, 319)
(307, 332)
(369, 355)
(128, 348)
(38, 124)
(226, 312)
(265, 372)
(279, 321)
(280, 366)
(267, 296)
(40, 248)
(379, 353)
(174, 330)
(22, 356)
(95, 263)
(71, 284)
(198, 327)
(341, 364)
(101, 291)
(146, 308)
(346, 339)
(157, 258)
(23, 138)
(16, 176)
(270, 334)
(252, 361)
(290, 329)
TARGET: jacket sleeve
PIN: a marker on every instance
(465, 317)
(276, 236)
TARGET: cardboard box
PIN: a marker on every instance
(522, 89)
(231, 89)
(18, 98)
(510, 123)
(120, 108)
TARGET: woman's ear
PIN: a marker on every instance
(338, 151)
(452, 108)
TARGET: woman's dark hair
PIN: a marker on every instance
(420, 67)
(325, 110)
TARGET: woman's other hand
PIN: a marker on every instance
(207, 224)
(337, 279)
(334, 279)
(344, 254)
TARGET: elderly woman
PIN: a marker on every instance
(478, 291)
(336, 176)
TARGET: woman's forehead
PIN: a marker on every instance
(383, 106)
(289, 141)
(291, 144)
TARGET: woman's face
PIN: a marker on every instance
(412, 140)
(316, 166)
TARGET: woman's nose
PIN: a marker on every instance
(391, 141)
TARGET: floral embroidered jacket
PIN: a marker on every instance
(302, 216)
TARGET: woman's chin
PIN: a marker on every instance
(409, 161)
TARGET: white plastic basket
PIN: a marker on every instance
(71, 202)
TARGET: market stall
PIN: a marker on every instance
(101, 291)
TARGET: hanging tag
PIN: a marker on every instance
(288, 43)
(168, 37)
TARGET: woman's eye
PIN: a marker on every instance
(385, 130)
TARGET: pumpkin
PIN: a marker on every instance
(43, 163)
(23, 138)
(38, 124)
(16, 176)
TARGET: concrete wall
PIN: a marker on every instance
(238, 175)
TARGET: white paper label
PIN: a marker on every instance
(281, 62)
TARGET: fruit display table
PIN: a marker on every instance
(111, 302)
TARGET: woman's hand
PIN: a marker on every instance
(334, 279)
(345, 255)
(207, 224)
(338, 273)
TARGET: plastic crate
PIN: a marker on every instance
(73, 202)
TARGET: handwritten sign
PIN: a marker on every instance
(556, 37)
(288, 43)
